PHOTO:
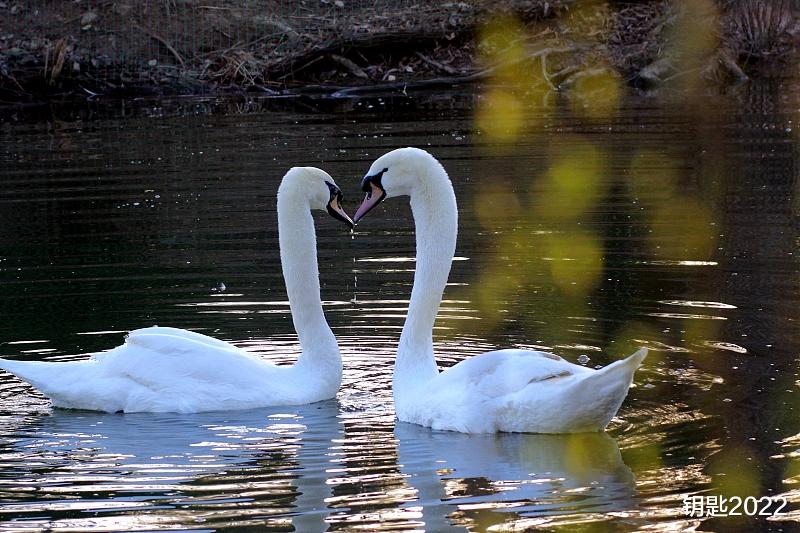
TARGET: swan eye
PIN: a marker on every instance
(366, 183)
(335, 191)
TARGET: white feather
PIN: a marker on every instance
(174, 370)
(505, 390)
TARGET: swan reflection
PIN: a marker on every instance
(198, 467)
(470, 480)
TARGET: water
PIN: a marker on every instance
(672, 226)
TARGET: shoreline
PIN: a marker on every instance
(330, 49)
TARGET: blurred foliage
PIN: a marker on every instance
(501, 115)
(572, 184)
(549, 256)
(596, 93)
(735, 472)
(643, 458)
(577, 262)
(516, 83)
(693, 39)
(586, 453)
(563, 235)
(682, 229)
(631, 336)
(542, 237)
(653, 174)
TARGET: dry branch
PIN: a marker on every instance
(451, 81)
(351, 67)
(441, 66)
(162, 41)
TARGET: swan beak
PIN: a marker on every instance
(335, 210)
(373, 197)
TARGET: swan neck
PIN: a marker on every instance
(298, 251)
(433, 205)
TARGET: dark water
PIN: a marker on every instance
(668, 225)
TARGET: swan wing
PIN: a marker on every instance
(160, 370)
(520, 391)
(502, 372)
(156, 331)
(163, 358)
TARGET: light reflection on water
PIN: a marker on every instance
(202, 467)
(471, 479)
(117, 223)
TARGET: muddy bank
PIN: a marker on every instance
(51, 50)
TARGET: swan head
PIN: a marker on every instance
(316, 186)
(396, 173)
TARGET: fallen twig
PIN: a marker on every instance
(564, 72)
(351, 67)
(13, 79)
(301, 67)
(162, 41)
(447, 82)
(353, 42)
(59, 56)
(441, 66)
(735, 70)
(657, 71)
(433, 82)
(543, 64)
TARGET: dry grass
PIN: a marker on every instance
(762, 28)
(269, 43)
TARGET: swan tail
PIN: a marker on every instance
(634, 360)
(51, 378)
(607, 388)
(29, 371)
(621, 371)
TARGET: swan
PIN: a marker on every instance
(161, 369)
(508, 390)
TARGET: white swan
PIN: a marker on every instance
(504, 390)
(173, 370)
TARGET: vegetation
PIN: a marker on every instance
(193, 46)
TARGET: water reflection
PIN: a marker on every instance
(474, 480)
(171, 469)
(580, 236)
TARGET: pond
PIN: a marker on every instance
(665, 224)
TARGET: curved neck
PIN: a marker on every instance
(433, 204)
(298, 249)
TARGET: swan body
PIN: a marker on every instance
(519, 391)
(505, 390)
(161, 369)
